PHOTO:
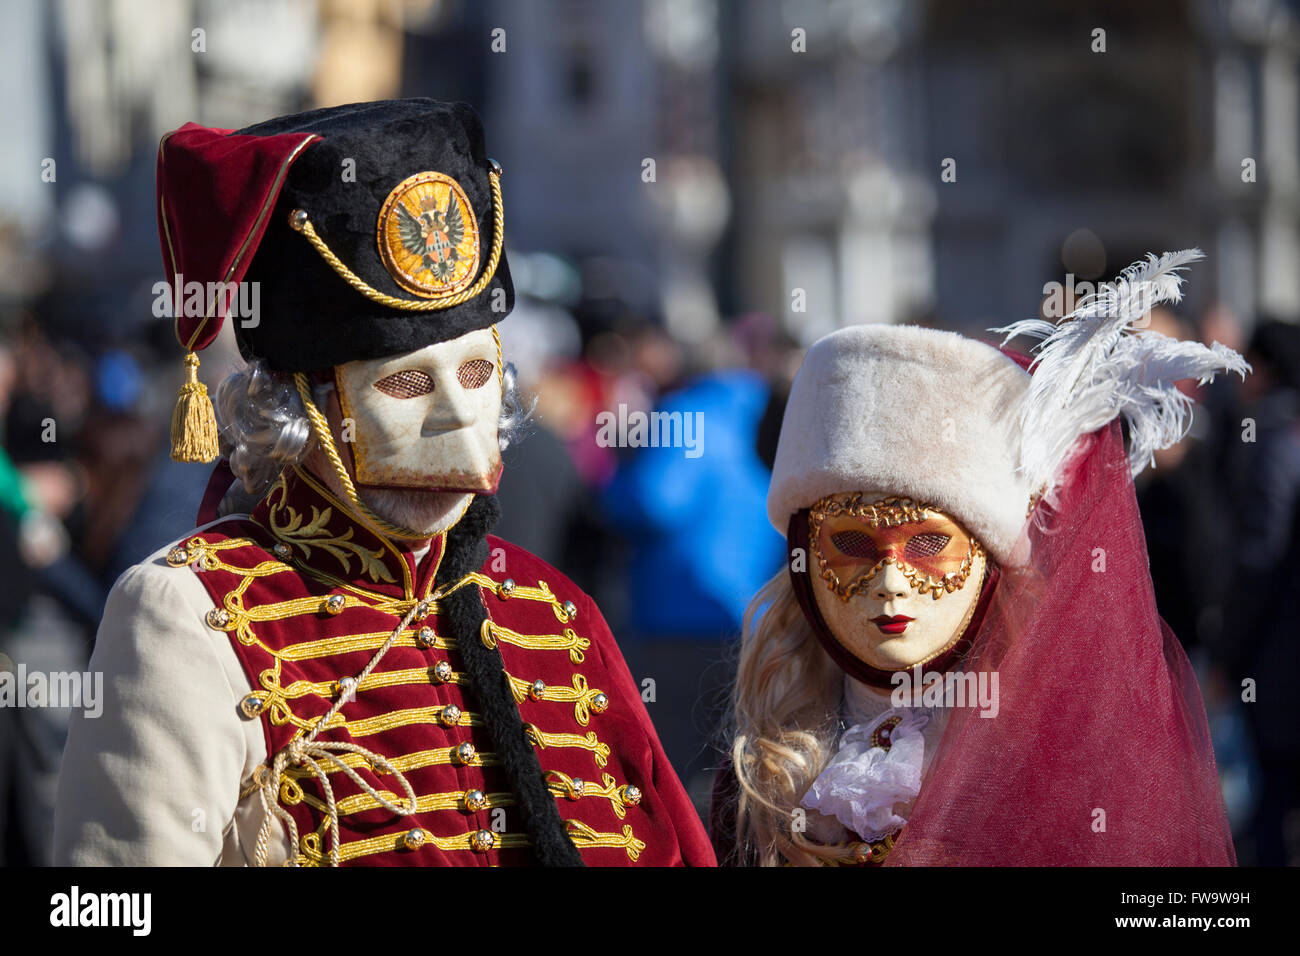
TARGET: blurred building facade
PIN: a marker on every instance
(1067, 151)
(830, 162)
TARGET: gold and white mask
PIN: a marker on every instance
(886, 561)
(428, 419)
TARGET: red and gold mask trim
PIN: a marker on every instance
(853, 540)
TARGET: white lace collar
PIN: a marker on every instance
(870, 784)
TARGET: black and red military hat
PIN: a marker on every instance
(370, 230)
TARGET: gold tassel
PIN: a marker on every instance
(194, 424)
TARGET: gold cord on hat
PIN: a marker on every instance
(300, 221)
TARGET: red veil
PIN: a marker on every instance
(1100, 752)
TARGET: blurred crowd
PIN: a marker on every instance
(1221, 511)
(87, 488)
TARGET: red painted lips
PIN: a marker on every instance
(892, 625)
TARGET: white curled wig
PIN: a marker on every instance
(264, 427)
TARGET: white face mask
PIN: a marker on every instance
(884, 574)
(427, 419)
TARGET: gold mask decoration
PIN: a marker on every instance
(880, 556)
(854, 540)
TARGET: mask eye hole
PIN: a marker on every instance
(855, 544)
(925, 545)
(475, 373)
(408, 383)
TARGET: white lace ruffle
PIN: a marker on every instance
(863, 786)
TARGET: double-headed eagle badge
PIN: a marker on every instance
(428, 235)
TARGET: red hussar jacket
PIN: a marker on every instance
(308, 595)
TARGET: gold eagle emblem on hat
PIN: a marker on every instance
(428, 235)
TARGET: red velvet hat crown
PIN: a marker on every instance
(216, 189)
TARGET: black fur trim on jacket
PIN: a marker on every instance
(466, 551)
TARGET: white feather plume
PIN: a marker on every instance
(1096, 365)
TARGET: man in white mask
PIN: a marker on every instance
(354, 671)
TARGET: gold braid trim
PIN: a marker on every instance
(426, 803)
(234, 616)
(438, 757)
(561, 785)
(395, 842)
(348, 643)
(492, 632)
(273, 700)
(202, 553)
(518, 592)
(501, 374)
(202, 556)
(444, 756)
(307, 753)
(542, 739)
(579, 694)
(368, 726)
(584, 836)
(419, 676)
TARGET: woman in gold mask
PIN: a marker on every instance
(963, 663)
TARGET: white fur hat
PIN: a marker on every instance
(910, 411)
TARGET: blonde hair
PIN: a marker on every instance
(785, 709)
